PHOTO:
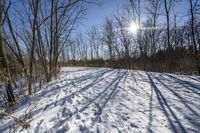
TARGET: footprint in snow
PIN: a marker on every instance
(61, 103)
(53, 118)
(49, 106)
(83, 129)
(38, 126)
(62, 129)
(57, 96)
(78, 116)
(133, 125)
(63, 111)
(125, 118)
(70, 100)
(59, 123)
(66, 113)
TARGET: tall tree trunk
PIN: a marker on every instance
(35, 5)
(19, 54)
(168, 24)
(3, 61)
(51, 41)
(193, 36)
(168, 6)
(56, 41)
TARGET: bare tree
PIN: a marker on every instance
(153, 10)
(35, 8)
(95, 40)
(168, 6)
(124, 37)
(193, 5)
(4, 62)
(109, 37)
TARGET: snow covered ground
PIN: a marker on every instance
(103, 100)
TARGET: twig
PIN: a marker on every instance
(27, 115)
(20, 122)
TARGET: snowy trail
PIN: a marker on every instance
(113, 100)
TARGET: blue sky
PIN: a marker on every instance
(96, 14)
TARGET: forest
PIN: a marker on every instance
(40, 37)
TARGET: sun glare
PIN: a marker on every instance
(133, 28)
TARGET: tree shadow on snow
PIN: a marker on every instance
(193, 78)
(149, 129)
(53, 89)
(99, 101)
(185, 102)
(106, 97)
(95, 79)
(173, 120)
(187, 84)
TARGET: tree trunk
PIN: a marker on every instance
(193, 37)
(4, 62)
(35, 12)
(192, 26)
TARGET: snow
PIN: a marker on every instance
(112, 100)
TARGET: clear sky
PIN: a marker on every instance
(96, 14)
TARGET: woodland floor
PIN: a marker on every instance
(103, 100)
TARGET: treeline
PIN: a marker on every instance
(165, 40)
(183, 62)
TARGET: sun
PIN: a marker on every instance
(133, 28)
